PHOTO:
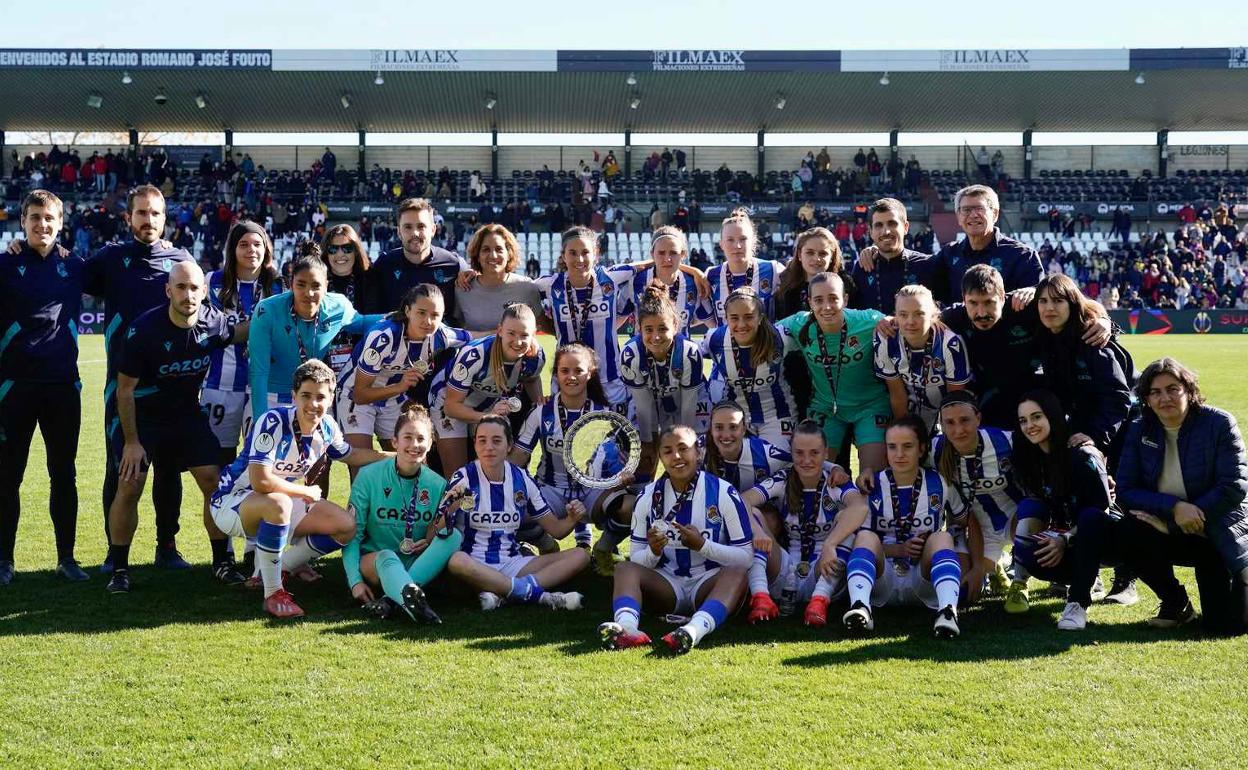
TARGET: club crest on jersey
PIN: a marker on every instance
(853, 341)
(521, 499)
(607, 288)
(933, 501)
(764, 285)
(166, 265)
(712, 514)
(828, 502)
(1006, 464)
(61, 271)
(423, 497)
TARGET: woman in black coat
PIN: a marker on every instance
(1184, 479)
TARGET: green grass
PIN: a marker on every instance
(184, 673)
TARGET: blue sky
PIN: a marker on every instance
(633, 25)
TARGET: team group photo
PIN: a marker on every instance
(734, 436)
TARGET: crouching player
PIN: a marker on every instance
(690, 549)
(816, 509)
(501, 497)
(402, 539)
(264, 493)
(903, 554)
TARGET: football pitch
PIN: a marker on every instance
(185, 673)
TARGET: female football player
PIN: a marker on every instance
(740, 268)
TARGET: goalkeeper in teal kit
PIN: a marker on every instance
(402, 538)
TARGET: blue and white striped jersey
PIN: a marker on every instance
(228, 369)
(762, 392)
(590, 315)
(925, 372)
(897, 517)
(684, 295)
(986, 478)
(385, 352)
(274, 442)
(713, 508)
(819, 510)
(499, 509)
(759, 460)
(667, 392)
(469, 373)
(763, 277)
(546, 425)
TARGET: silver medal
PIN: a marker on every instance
(421, 367)
(513, 403)
(407, 546)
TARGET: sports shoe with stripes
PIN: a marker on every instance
(281, 604)
(616, 637)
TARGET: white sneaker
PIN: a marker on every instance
(946, 625)
(1098, 589)
(557, 600)
(1074, 617)
(489, 601)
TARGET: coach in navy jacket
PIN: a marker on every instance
(1204, 508)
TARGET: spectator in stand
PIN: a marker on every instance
(681, 157)
(665, 161)
(329, 165)
(860, 159)
(874, 168)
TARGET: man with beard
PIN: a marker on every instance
(417, 261)
(131, 277)
(883, 268)
(161, 364)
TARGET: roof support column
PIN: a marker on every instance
(362, 167)
(494, 157)
(1, 153)
(628, 153)
(1163, 152)
(227, 150)
(1027, 154)
(762, 157)
(134, 170)
(892, 161)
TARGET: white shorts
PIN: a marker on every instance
(444, 426)
(805, 585)
(558, 499)
(229, 415)
(511, 567)
(994, 543)
(907, 587)
(777, 432)
(226, 515)
(365, 419)
(686, 589)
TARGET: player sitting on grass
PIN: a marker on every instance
(265, 493)
(690, 548)
(500, 498)
(815, 509)
(402, 540)
(903, 554)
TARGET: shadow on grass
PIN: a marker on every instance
(39, 603)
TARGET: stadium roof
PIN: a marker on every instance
(429, 90)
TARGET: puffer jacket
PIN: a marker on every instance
(1215, 475)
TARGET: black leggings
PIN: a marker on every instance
(57, 410)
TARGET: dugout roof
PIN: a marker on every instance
(428, 90)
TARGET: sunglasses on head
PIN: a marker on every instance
(346, 248)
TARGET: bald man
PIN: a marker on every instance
(164, 359)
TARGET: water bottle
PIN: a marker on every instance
(788, 595)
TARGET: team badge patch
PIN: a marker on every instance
(372, 357)
(764, 285)
(933, 501)
(264, 442)
(521, 499)
(853, 341)
(461, 372)
(1006, 464)
(712, 514)
(828, 502)
(423, 497)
